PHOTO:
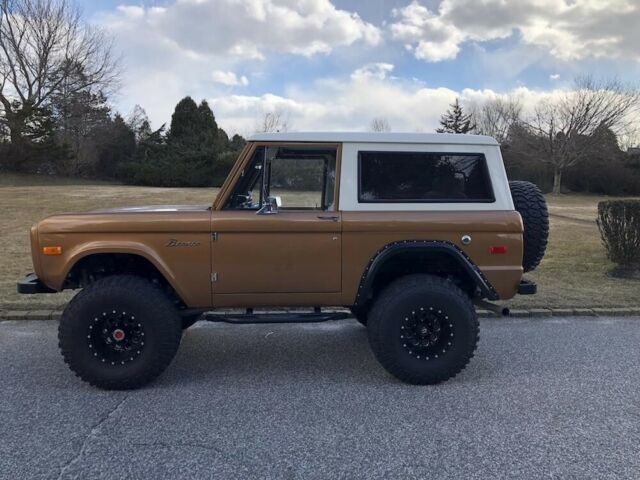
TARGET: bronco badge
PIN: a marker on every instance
(177, 243)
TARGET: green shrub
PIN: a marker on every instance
(619, 224)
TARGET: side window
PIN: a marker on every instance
(302, 177)
(423, 177)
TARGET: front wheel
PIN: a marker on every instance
(120, 332)
(423, 329)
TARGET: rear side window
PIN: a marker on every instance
(423, 177)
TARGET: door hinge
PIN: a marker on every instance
(214, 277)
(214, 236)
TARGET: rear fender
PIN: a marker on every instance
(441, 247)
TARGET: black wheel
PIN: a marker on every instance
(532, 207)
(119, 332)
(423, 329)
(360, 314)
(189, 320)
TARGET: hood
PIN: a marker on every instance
(157, 218)
(154, 209)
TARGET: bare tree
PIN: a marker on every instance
(495, 117)
(44, 44)
(275, 121)
(568, 129)
(138, 121)
(380, 124)
(629, 136)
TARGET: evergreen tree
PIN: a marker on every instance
(190, 122)
(191, 148)
(118, 148)
(195, 152)
(207, 122)
(455, 120)
(237, 143)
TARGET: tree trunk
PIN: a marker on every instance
(16, 123)
(16, 126)
(557, 180)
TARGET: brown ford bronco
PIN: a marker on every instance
(406, 230)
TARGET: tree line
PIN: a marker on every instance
(572, 142)
(56, 76)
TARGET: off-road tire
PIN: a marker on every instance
(190, 320)
(360, 314)
(142, 306)
(423, 297)
(532, 207)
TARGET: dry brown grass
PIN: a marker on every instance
(574, 270)
(572, 274)
(36, 197)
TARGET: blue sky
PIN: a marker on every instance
(337, 64)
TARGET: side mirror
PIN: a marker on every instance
(269, 206)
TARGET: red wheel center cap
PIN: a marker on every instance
(118, 335)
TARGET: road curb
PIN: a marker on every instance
(566, 312)
(515, 313)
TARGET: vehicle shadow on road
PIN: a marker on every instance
(332, 353)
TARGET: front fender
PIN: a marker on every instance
(56, 269)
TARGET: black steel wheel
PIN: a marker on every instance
(115, 337)
(426, 333)
(119, 332)
(423, 329)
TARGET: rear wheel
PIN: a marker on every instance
(423, 329)
(120, 332)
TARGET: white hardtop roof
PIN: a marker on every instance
(374, 137)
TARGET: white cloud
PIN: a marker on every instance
(229, 78)
(372, 70)
(171, 51)
(247, 28)
(351, 103)
(554, 76)
(568, 29)
(435, 39)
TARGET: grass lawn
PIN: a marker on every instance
(572, 274)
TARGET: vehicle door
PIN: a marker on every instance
(279, 230)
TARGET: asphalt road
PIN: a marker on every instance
(555, 398)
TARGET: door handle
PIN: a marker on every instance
(333, 218)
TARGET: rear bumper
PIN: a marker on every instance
(32, 284)
(527, 287)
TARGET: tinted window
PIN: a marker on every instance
(423, 177)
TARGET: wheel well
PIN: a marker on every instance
(93, 267)
(422, 261)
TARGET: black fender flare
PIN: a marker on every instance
(390, 250)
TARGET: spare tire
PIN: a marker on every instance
(532, 207)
